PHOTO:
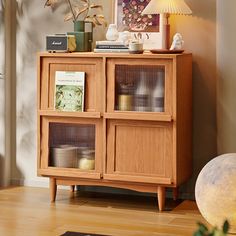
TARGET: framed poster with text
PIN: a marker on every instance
(146, 28)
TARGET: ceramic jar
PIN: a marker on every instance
(125, 37)
(112, 33)
(135, 47)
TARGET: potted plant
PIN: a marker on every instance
(81, 12)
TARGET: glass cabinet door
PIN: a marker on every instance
(139, 88)
(71, 147)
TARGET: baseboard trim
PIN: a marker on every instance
(41, 183)
(44, 183)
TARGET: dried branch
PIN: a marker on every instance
(76, 11)
(72, 11)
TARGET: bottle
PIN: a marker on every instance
(158, 93)
(142, 97)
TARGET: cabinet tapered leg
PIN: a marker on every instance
(175, 193)
(72, 188)
(161, 194)
(53, 189)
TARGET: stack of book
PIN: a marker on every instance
(111, 46)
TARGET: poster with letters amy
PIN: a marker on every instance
(146, 28)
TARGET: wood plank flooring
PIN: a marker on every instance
(26, 211)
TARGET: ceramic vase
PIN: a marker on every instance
(112, 33)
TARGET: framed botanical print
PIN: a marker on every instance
(146, 28)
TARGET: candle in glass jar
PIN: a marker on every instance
(86, 163)
(87, 160)
(125, 102)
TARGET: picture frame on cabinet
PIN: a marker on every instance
(146, 28)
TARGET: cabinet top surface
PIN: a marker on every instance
(111, 55)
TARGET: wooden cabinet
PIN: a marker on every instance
(137, 120)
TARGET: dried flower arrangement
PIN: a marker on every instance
(80, 9)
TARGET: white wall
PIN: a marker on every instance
(226, 86)
(199, 34)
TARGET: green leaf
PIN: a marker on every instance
(198, 233)
(202, 227)
(215, 231)
(226, 227)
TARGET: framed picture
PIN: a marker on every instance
(147, 28)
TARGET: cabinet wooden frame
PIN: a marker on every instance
(170, 130)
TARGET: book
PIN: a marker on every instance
(69, 91)
(111, 47)
(111, 50)
(108, 42)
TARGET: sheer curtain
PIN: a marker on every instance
(2, 44)
(2, 95)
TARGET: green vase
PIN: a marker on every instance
(84, 38)
(79, 26)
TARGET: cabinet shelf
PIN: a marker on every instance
(70, 114)
(150, 116)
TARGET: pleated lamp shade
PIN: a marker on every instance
(167, 6)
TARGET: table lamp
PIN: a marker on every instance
(167, 7)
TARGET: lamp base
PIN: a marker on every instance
(167, 36)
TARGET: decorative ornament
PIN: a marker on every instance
(177, 43)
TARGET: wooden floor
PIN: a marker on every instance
(27, 211)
